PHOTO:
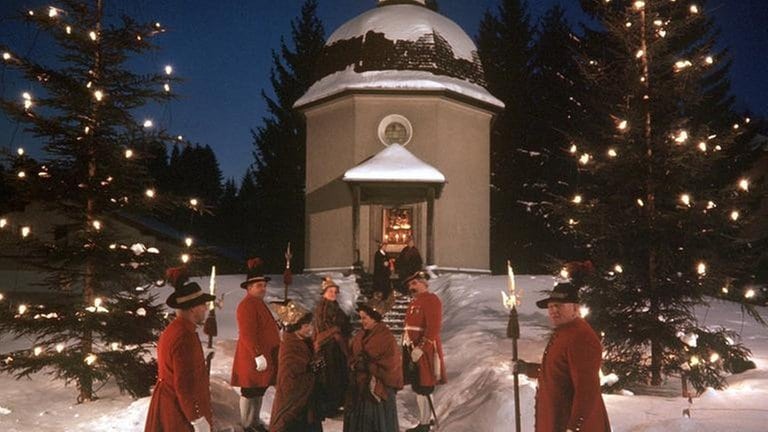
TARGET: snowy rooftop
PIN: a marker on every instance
(348, 79)
(406, 22)
(394, 164)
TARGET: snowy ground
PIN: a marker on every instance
(478, 396)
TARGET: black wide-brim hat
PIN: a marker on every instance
(421, 274)
(188, 296)
(255, 278)
(564, 292)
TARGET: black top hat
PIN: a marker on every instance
(564, 292)
(255, 272)
(421, 274)
(188, 296)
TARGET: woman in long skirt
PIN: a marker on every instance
(332, 332)
(376, 375)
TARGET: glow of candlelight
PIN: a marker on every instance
(212, 285)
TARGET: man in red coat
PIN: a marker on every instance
(255, 365)
(181, 400)
(568, 396)
(423, 363)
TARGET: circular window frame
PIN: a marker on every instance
(394, 118)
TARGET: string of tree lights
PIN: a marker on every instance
(102, 317)
(660, 201)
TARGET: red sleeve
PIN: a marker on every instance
(190, 377)
(584, 357)
(248, 323)
(433, 318)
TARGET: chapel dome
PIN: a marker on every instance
(400, 45)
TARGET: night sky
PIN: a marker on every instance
(222, 49)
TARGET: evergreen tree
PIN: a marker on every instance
(101, 319)
(556, 109)
(279, 146)
(195, 173)
(228, 215)
(504, 45)
(659, 204)
(157, 164)
(249, 206)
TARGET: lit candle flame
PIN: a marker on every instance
(212, 285)
(511, 300)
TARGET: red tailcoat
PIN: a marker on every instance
(182, 393)
(423, 321)
(259, 335)
(569, 394)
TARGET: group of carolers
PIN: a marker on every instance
(319, 369)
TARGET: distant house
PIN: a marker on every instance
(50, 226)
(758, 174)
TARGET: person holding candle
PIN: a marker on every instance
(181, 400)
(568, 397)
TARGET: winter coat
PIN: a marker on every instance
(182, 393)
(294, 408)
(332, 329)
(568, 395)
(408, 262)
(381, 272)
(423, 321)
(258, 335)
(377, 350)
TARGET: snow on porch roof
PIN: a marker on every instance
(394, 164)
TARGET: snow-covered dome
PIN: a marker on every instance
(407, 22)
(400, 45)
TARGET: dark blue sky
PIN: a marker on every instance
(222, 49)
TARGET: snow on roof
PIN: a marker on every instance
(406, 22)
(394, 164)
(348, 79)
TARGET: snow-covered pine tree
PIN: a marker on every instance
(100, 318)
(279, 145)
(659, 204)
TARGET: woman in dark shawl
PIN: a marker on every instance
(376, 375)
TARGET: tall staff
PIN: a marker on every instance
(287, 275)
(511, 302)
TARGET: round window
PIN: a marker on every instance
(395, 129)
